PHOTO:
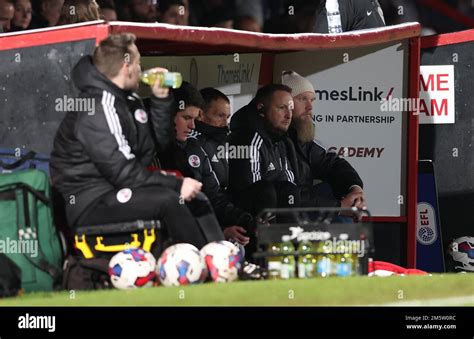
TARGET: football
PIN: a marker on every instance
(181, 264)
(461, 251)
(223, 260)
(132, 268)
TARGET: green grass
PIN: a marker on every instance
(314, 292)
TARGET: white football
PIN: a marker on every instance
(132, 268)
(223, 260)
(181, 264)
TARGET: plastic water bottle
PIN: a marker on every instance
(166, 79)
(274, 261)
(325, 259)
(334, 16)
(306, 260)
(288, 265)
(344, 259)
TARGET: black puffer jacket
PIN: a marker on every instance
(94, 154)
(314, 162)
(267, 156)
(205, 151)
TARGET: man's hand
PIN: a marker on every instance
(355, 198)
(190, 188)
(158, 91)
(236, 233)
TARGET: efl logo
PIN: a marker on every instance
(426, 230)
(437, 105)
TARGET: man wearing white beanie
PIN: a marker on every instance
(313, 160)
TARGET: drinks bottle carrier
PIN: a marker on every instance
(315, 224)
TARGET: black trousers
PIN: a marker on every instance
(266, 195)
(180, 220)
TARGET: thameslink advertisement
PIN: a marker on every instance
(356, 117)
(236, 75)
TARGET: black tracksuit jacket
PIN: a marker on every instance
(272, 159)
(200, 158)
(314, 162)
(355, 15)
(94, 154)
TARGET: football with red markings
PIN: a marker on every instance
(181, 264)
(132, 268)
(223, 260)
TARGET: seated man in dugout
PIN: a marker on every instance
(262, 159)
(205, 151)
(314, 162)
(189, 105)
(99, 157)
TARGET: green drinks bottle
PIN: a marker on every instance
(344, 258)
(274, 261)
(166, 79)
(288, 265)
(306, 260)
(325, 259)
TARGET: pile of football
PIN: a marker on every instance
(180, 264)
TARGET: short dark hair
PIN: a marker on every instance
(164, 5)
(112, 52)
(106, 4)
(84, 10)
(188, 95)
(264, 95)
(210, 94)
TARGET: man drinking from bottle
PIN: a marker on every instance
(99, 158)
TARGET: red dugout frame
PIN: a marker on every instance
(161, 39)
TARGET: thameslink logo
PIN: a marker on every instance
(351, 94)
(242, 74)
(67, 104)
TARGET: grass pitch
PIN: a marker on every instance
(355, 291)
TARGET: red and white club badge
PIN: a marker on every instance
(141, 116)
(194, 161)
(124, 195)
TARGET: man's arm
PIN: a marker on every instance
(199, 163)
(102, 137)
(161, 113)
(227, 213)
(245, 171)
(336, 171)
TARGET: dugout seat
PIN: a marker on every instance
(105, 240)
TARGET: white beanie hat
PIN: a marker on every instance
(296, 82)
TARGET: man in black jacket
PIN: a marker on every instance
(99, 158)
(311, 16)
(198, 158)
(46, 13)
(262, 159)
(206, 144)
(355, 15)
(314, 162)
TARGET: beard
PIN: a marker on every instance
(305, 129)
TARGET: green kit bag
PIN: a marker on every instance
(28, 235)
